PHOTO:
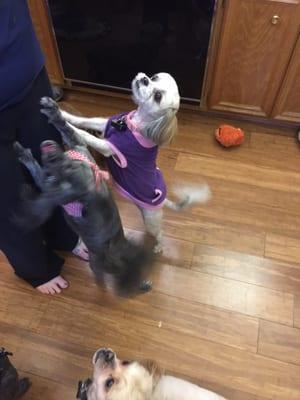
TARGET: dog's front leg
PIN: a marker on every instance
(71, 135)
(26, 158)
(95, 124)
(54, 114)
(97, 144)
(153, 225)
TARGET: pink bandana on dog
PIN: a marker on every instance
(75, 208)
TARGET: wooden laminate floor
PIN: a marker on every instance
(225, 309)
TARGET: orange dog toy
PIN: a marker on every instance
(229, 136)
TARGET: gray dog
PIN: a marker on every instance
(11, 386)
(72, 180)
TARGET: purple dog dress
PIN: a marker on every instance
(133, 164)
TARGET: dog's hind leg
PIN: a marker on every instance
(153, 225)
(24, 385)
(26, 158)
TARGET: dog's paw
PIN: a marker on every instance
(24, 385)
(158, 248)
(50, 109)
(18, 148)
(47, 102)
(24, 155)
(146, 286)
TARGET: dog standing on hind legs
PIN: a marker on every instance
(130, 143)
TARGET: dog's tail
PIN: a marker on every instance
(189, 195)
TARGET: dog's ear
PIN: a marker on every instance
(162, 129)
(82, 389)
(153, 368)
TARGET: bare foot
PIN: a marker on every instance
(54, 286)
(81, 251)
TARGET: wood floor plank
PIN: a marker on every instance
(279, 342)
(225, 293)
(247, 268)
(157, 309)
(274, 144)
(175, 251)
(167, 159)
(46, 389)
(297, 312)
(58, 360)
(200, 359)
(20, 308)
(196, 287)
(200, 230)
(253, 207)
(2, 257)
(259, 148)
(243, 196)
(230, 170)
(282, 248)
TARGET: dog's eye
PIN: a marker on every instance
(154, 78)
(109, 383)
(157, 97)
(125, 362)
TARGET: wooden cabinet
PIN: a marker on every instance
(44, 31)
(257, 41)
(287, 104)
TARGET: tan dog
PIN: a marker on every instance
(114, 379)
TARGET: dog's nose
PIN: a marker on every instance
(145, 81)
(107, 355)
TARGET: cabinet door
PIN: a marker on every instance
(287, 105)
(44, 31)
(256, 42)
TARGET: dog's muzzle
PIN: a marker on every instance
(51, 151)
(48, 146)
(141, 80)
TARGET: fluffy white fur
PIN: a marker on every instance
(139, 381)
(157, 100)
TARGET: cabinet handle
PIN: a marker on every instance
(275, 19)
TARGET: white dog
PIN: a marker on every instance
(114, 379)
(130, 142)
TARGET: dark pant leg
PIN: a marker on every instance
(29, 254)
(33, 129)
